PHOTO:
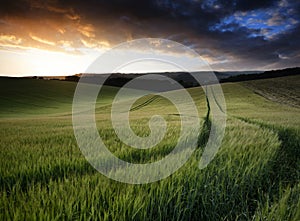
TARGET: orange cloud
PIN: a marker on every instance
(57, 9)
(11, 42)
(10, 39)
(44, 41)
(95, 44)
(73, 17)
(87, 30)
(66, 44)
(88, 44)
(105, 44)
(50, 6)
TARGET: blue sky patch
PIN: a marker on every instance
(267, 23)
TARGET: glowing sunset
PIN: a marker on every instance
(39, 35)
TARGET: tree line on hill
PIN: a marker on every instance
(185, 79)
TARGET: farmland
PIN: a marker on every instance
(254, 176)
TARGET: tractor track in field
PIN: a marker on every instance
(284, 167)
(44, 175)
(144, 104)
(286, 163)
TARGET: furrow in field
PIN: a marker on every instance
(285, 165)
(44, 174)
(147, 102)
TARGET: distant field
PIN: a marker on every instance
(285, 90)
(255, 175)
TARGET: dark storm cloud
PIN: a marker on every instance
(246, 5)
(250, 34)
(15, 8)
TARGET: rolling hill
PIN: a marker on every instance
(254, 176)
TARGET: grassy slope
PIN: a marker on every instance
(243, 102)
(43, 173)
(32, 97)
(285, 90)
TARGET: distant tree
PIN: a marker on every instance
(264, 75)
(72, 78)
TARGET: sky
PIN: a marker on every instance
(62, 37)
